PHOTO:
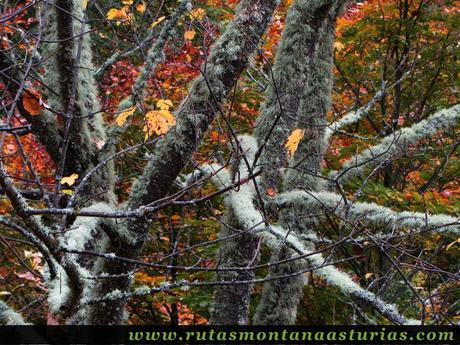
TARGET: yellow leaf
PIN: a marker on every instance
(140, 7)
(338, 46)
(70, 180)
(84, 4)
(197, 14)
(368, 275)
(451, 244)
(293, 141)
(158, 21)
(164, 104)
(189, 34)
(115, 13)
(29, 254)
(5, 293)
(121, 119)
(67, 191)
(127, 2)
(159, 122)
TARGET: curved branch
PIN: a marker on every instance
(373, 213)
(442, 120)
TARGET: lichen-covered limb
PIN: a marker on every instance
(228, 57)
(231, 303)
(280, 298)
(35, 225)
(290, 74)
(9, 317)
(72, 92)
(354, 116)
(250, 218)
(398, 143)
(369, 212)
(83, 229)
(218, 175)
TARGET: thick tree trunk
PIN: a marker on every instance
(280, 298)
(231, 303)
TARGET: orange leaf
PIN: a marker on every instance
(271, 192)
(293, 141)
(175, 218)
(31, 102)
(189, 34)
(140, 7)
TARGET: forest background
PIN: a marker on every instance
(405, 51)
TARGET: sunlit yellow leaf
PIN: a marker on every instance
(5, 293)
(159, 122)
(164, 104)
(84, 4)
(293, 141)
(189, 34)
(156, 22)
(338, 46)
(121, 119)
(67, 191)
(69, 180)
(197, 14)
(29, 254)
(368, 275)
(127, 2)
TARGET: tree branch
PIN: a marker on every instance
(442, 120)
